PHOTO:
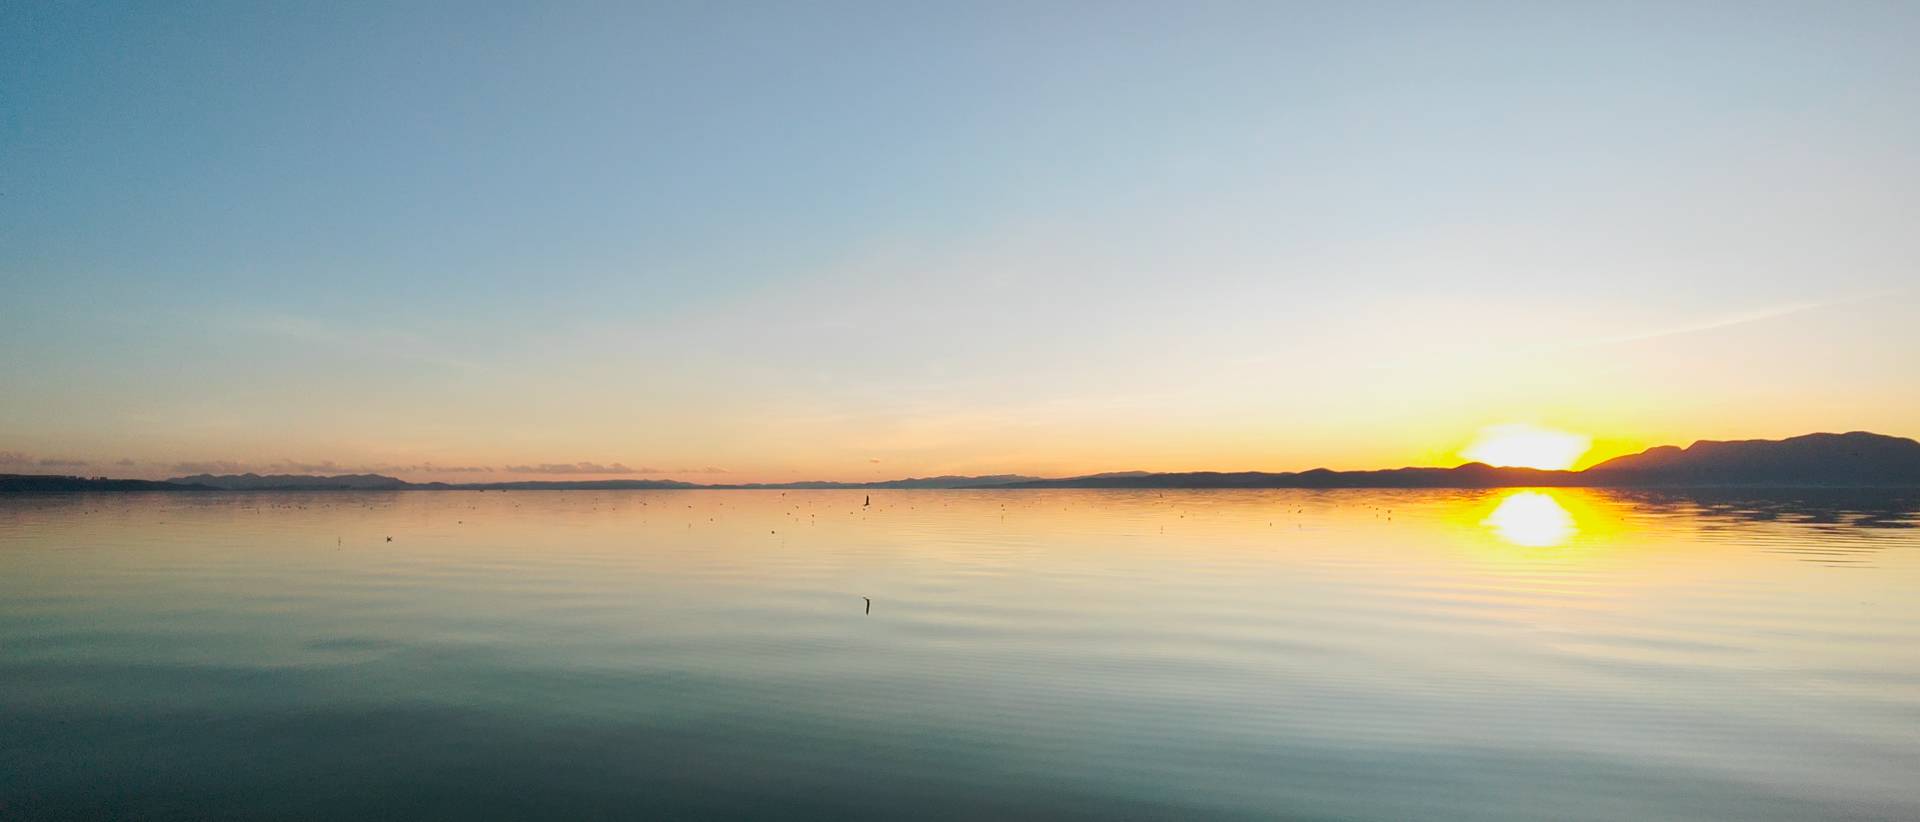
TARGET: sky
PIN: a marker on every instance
(731, 242)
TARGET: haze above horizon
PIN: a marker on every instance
(726, 246)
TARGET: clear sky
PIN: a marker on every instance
(857, 241)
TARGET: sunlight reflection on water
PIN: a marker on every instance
(1531, 519)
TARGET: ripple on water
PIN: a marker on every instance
(1235, 654)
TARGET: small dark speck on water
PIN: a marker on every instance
(1294, 657)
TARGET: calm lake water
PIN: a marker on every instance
(1096, 654)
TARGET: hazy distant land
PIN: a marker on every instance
(1855, 459)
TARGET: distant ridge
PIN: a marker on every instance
(379, 482)
(947, 481)
(292, 482)
(1857, 459)
(53, 483)
(563, 485)
(1471, 475)
(1853, 458)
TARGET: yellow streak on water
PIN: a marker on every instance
(1532, 519)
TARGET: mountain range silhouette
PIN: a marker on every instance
(1856, 459)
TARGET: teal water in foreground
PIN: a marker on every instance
(1344, 655)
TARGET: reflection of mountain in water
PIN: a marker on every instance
(1850, 526)
(1857, 507)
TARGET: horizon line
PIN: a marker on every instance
(959, 481)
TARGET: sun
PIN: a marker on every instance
(1520, 445)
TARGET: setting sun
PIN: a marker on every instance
(1527, 446)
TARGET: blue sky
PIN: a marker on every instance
(855, 239)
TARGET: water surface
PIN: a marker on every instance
(1554, 654)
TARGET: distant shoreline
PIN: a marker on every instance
(67, 485)
(1854, 460)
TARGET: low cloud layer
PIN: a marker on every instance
(20, 461)
(608, 468)
(430, 468)
(12, 458)
(329, 467)
(210, 467)
(572, 468)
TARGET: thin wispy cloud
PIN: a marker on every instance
(210, 467)
(1711, 323)
(291, 466)
(322, 467)
(430, 468)
(23, 458)
(608, 468)
(572, 468)
(369, 342)
(1737, 318)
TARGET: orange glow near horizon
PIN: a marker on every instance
(1521, 445)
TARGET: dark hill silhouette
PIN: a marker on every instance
(1854, 458)
(945, 481)
(1471, 475)
(293, 482)
(377, 482)
(563, 485)
(54, 484)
